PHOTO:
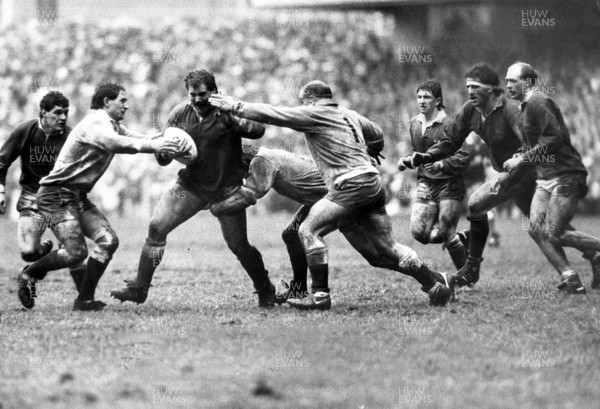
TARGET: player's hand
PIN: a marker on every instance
(405, 163)
(419, 158)
(224, 103)
(433, 167)
(512, 164)
(2, 203)
(168, 146)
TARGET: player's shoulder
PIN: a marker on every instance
(25, 126)
(180, 109)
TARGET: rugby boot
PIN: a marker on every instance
(26, 288)
(442, 291)
(595, 262)
(571, 284)
(133, 292)
(317, 301)
(468, 275)
(266, 295)
(88, 305)
(293, 290)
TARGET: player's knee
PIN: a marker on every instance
(554, 237)
(76, 254)
(420, 235)
(30, 254)
(156, 233)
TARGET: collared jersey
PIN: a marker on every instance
(290, 175)
(87, 152)
(499, 130)
(38, 153)
(335, 135)
(420, 142)
(219, 163)
(547, 139)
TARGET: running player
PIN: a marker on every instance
(336, 138)
(561, 175)
(37, 143)
(62, 197)
(214, 176)
(441, 188)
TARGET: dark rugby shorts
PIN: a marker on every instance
(431, 190)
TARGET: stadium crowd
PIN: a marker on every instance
(362, 64)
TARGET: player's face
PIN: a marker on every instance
(199, 96)
(55, 120)
(426, 101)
(479, 95)
(514, 83)
(117, 107)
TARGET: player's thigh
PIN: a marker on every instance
(377, 228)
(423, 216)
(174, 207)
(539, 207)
(561, 210)
(449, 215)
(70, 233)
(96, 226)
(31, 226)
(485, 199)
(324, 217)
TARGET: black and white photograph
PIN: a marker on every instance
(265, 204)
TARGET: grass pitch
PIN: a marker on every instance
(201, 342)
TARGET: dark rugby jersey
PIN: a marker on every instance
(37, 151)
(499, 131)
(547, 138)
(219, 163)
(454, 165)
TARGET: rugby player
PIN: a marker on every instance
(37, 143)
(336, 138)
(441, 188)
(62, 197)
(494, 118)
(215, 175)
(561, 176)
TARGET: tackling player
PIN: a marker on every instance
(337, 138)
(561, 176)
(62, 197)
(441, 188)
(214, 176)
(37, 143)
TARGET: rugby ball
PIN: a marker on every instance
(188, 156)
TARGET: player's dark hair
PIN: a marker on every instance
(528, 73)
(53, 99)
(248, 153)
(199, 77)
(484, 73)
(108, 90)
(436, 90)
(316, 88)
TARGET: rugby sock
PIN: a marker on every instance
(55, 260)
(93, 273)
(299, 267)
(149, 259)
(457, 252)
(479, 233)
(320, 277)
(413, 266)
(252, 262)
(77, 273)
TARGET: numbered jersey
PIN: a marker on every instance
(337, 137)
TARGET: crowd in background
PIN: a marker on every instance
(363, 65)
